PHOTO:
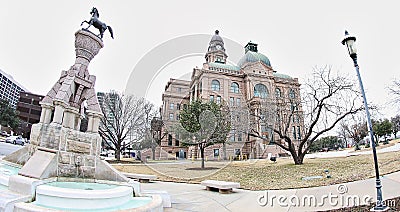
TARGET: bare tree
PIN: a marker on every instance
(148, 140)
(124, 120)
(355, 127)
(326, 100)
(395, 90)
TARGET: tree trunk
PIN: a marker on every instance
(298, 159)
(224, 150)
(118, 154)
(153, 150)
(202, 156)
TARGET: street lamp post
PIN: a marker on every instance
(349, 41)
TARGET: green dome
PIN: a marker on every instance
(251, 56)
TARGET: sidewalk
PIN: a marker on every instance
(194, 197)
(346, 153)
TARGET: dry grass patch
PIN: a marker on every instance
(263, 174)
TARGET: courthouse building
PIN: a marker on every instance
(244, 85)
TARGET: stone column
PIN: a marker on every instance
(93, 121)
(59, 108)
(70, 114)
(78, 121)
(45, 115)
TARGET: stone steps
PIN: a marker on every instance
(9, 198)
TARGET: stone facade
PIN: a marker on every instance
(245, 85)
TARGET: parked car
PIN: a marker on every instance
(15, 140)
(4, 133)
(104, 154)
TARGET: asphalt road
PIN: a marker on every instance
(6, 148)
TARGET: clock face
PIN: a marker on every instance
(219, 47)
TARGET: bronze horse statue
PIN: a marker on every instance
(94, 20)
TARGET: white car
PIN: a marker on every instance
(15, 140)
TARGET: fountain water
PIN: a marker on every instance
(61, 168)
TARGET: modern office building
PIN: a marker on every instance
(29, 111)
(245, 85)
(109, 116)
(9, 88)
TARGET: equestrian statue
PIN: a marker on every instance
(94, 20)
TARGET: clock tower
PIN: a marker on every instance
(216, 50)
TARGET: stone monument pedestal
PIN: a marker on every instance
(59, 147)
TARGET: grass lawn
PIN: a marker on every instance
(264, 174)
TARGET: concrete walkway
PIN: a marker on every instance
(194, 197)
(347, 152)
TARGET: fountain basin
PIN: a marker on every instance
(6, 171)
(83, 196)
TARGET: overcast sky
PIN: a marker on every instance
(37, 38)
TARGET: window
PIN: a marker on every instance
(216, 152)
(178, 106)
(296, 119)
(231, 101)
(177, 116)
(171, 116)
(237, 101)
(239, 137)
(218, 99)
(293, 107)
(235, 87)
(215, 86)
(171, 106)
(237, 152)
(298, 133)
(211, 98)
(179, 90)
(264, 128)
(261, 91)
(184, 106)
(278, 93)
(176, 140)
(294, 132)
(292, 94)
(169, 140)
(232, 138)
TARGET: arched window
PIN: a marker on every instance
(234, 87)
(278, 92)
(261, 91)
(292, 94)
(215, 86)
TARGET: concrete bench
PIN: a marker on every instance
(143, 178)
(222, 186)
